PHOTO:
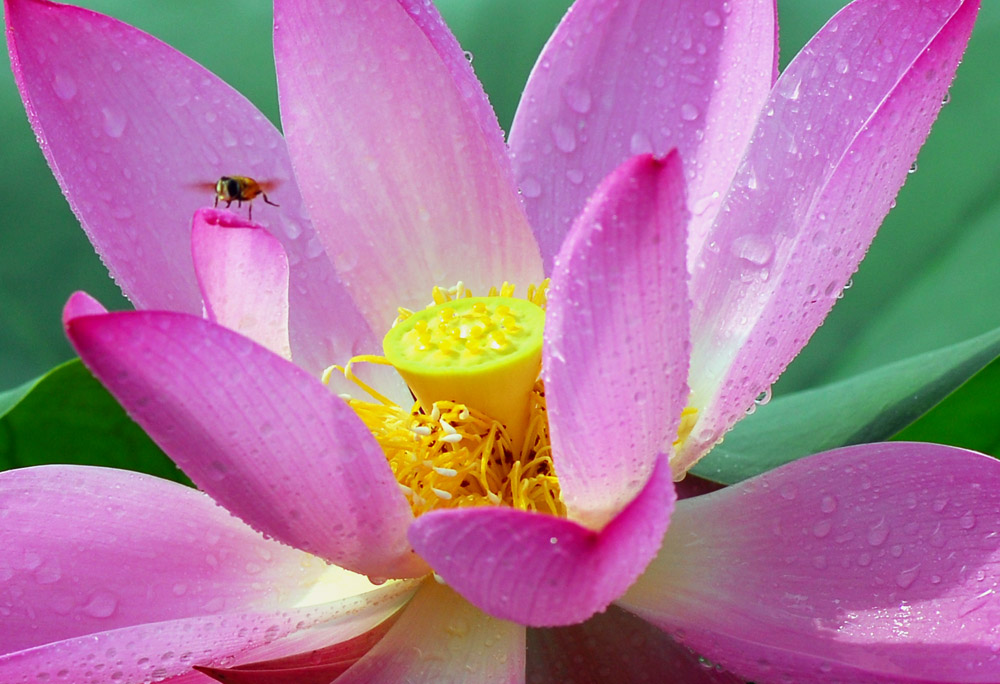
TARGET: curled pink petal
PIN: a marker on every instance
(641, 76)
(317, 666)
(137, 134)
(835, 142)
(871, 563)
(91, 549)
(615, 393)
(538, 569)
(162, 650)
(243, 274)
(258, 434)
(442, 638)
(404, 186)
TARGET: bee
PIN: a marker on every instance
(242, 189)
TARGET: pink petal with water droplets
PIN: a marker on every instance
(91, 549)
(541, 570)
(615, 646)
(258, 434)
(624, 78)
(137, 135)
(168, 649)
(441, 638)
(458, 63)
(832, 149)
(615, 356)
(401, 181)
(243, 273)
(872, 563)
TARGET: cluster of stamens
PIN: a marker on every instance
(454, 455)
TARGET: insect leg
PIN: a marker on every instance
(264, 195)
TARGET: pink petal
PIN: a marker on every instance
(318, 666)
(426, 16)
(843, 125)
(541, 570)
(81, 304)
(624, 78)
(614, 647)
(157, 651)
(869, 563)
(91, 549)
(261, 436)
(441, 638)
(402, 182)
(615, 356)
(137, 134)
(243, 274)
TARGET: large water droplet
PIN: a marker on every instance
(967, 521)
(689, 112)
(828, 504)
(115, 121)
(640, 143)
(711, 18)
(878, 533)
(756, 249)
(905, 578)
(563, 137)
(530, 187)
(64, 86)
(101, 605)
(577, 97)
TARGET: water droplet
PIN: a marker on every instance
(763, 398)
(711, 18)
(822, 528)
(689, 112)
(468, 56)
(115, 121)
(530, 187)
(967, 521)
(841, 64)
(101, 605)
(828, 504)
(905, 578)
(640, 143)
(64, 86)
(563, 137)
(789, 491)
(947, 97)
(577, 97)
(913, 168)
(753, 248)
(878, 533)
(575, 176)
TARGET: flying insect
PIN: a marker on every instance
(242, 189)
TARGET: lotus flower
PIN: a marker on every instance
(375, 542)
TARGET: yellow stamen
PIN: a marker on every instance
(483, 352)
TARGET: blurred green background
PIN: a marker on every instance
(930, 279)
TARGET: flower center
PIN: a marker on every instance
(478, 432)
(484, 352)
